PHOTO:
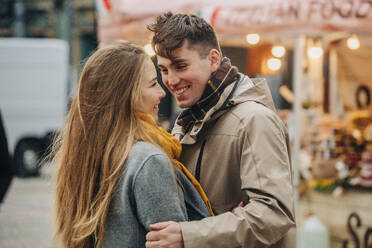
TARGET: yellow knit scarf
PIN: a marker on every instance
(172, 147)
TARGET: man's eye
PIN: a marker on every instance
(180, 67)
(163, 71)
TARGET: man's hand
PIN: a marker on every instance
(241, 204)
(165, 234)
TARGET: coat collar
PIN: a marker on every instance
(247, 89)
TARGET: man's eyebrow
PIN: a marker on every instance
(173, 62)
(176, 61)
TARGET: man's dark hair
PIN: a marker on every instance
(171, 31)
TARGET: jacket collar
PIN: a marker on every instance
(247, 89)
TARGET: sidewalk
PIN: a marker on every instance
(26, 218)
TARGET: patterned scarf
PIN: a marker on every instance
(225, 75)
(172, 147)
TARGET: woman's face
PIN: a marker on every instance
(151, 91)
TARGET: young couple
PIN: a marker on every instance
(123, 182)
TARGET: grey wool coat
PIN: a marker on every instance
(149, 192)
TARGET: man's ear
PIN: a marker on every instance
(214, 57)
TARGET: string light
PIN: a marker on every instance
(274, 64)
(253, 39)
(353, 42)
(315, 52)
(149, 50)
(278, 51)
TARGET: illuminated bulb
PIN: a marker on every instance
(274, 64)
(353, 42)
(278, 51)
(315, 52)
(253, 38)
(149, 50)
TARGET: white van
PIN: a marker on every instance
(33, 96)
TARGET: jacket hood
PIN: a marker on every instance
(243, 90)
(255, 89)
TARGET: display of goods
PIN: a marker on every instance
(324, 168)
(366, 169)
(368, 133)
(352, 158)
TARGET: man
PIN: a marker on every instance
(232, 141)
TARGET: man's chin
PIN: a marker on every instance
(183, 105)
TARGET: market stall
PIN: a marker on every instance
(334, 140)
(332, 111)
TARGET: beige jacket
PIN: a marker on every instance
(244, 157)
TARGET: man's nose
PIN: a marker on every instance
(173, 78)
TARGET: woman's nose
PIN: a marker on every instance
(162, 92)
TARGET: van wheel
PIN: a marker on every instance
(27, 157)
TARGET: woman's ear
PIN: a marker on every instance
(214, 57)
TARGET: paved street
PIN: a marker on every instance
(26, 215)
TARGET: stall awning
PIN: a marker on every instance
(127, 19)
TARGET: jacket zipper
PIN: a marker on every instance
(198, 165)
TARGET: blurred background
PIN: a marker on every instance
(315, 54)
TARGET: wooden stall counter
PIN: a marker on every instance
(348, 217)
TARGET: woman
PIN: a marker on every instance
(117, 171)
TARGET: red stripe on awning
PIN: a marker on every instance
(107, 4)
(214, 16)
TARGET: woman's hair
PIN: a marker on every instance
(94, 144)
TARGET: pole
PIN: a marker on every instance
(297, 78)
(69, 31)
(19, 18)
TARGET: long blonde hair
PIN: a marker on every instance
(90, 152)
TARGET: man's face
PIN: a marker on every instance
(186, 75)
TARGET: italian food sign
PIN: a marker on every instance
(128, 18)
